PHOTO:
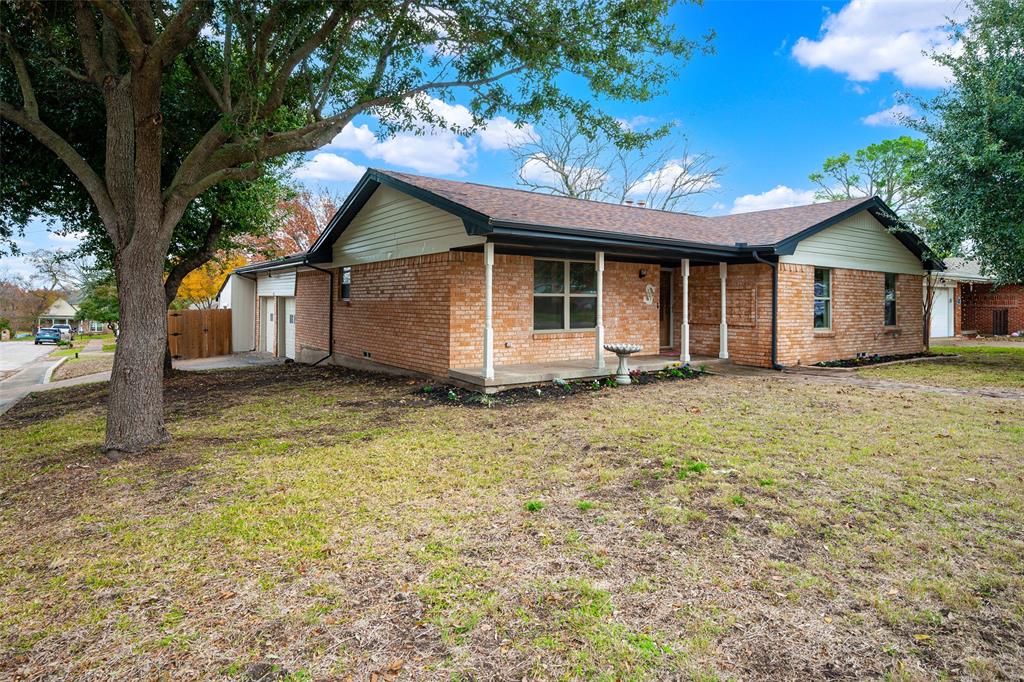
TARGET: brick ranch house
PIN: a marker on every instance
(968, 302)
(490, 287)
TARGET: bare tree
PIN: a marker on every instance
(59, 269)
(661, 172)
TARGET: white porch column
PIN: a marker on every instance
(723, 329)
(488, 310)
(684, 328)
(599, 337)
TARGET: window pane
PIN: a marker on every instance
(548, 277)
(822, 316)
(582, 312)
(582, 278)
(548, 312)
(890, 313)
(822, 283)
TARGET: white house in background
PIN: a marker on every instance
(64, 310)
(947, 304)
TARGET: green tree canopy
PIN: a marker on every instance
(975, 165)
(890, 169)
(99, 303)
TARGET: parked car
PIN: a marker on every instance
(66, 331)
(48, 335)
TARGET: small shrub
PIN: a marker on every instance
(533, 506)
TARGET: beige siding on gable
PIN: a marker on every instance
(857, 243)
(395, 225)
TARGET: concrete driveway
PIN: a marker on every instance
(14, 355)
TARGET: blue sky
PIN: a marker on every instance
(790, 83)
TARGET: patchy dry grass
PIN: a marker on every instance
(323, 523)
(976, 367)
(83, 365)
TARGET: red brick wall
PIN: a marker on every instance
(627, 319)
(311, 312)
(857, 316)
(748, 291)
(979, 300)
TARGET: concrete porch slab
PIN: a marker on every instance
(512, 376)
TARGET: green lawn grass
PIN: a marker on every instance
(977, 366)
(332, 525)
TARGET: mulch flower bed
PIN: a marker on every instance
(868, 360)
(556, 390)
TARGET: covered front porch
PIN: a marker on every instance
(534, 329)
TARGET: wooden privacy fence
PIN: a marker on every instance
(199, 333)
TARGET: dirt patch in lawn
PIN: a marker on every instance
(325, 523)
(83, 366)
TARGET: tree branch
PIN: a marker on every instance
(207, 84)
(28, 95)
(125, 28)
(65, 152)
(182, 29)
(194, 260)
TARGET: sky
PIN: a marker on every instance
(790, 84)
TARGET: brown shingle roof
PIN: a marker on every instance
(502, 204)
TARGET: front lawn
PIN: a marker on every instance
(977, 366)
(83, 365)
(326, 524)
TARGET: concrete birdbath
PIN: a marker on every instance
(623, 351)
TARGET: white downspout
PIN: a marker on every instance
(684, 344)
(599, 343)
(488, 310)
(723, 329)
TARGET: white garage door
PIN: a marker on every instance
(942, 314)
(289, 328)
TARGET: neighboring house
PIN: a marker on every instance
(64, 310)
(490, 287)
(984, 307)
(948, 287)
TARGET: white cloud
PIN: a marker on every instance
(859, 89)
(779, 197)
(327, 166)
(635, 122)
(893, 116)
(718, 206)
(661, 180)
(434, 150)
(501, 133)
(870, 37)
(538, 169)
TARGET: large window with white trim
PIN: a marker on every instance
(564, 295)
(822, 298)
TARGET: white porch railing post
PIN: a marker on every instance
(488, 310)
(599, 336)
(684, 327)
(723, 329)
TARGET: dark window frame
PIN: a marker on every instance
(345, 287)
(566, 295)
(889, 299)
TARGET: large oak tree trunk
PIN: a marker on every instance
(135, 416)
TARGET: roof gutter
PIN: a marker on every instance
(775, 307)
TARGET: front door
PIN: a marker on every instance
(665, 308)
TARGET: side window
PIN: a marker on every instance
(345, 283)
(822, 298)
(890, 299)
